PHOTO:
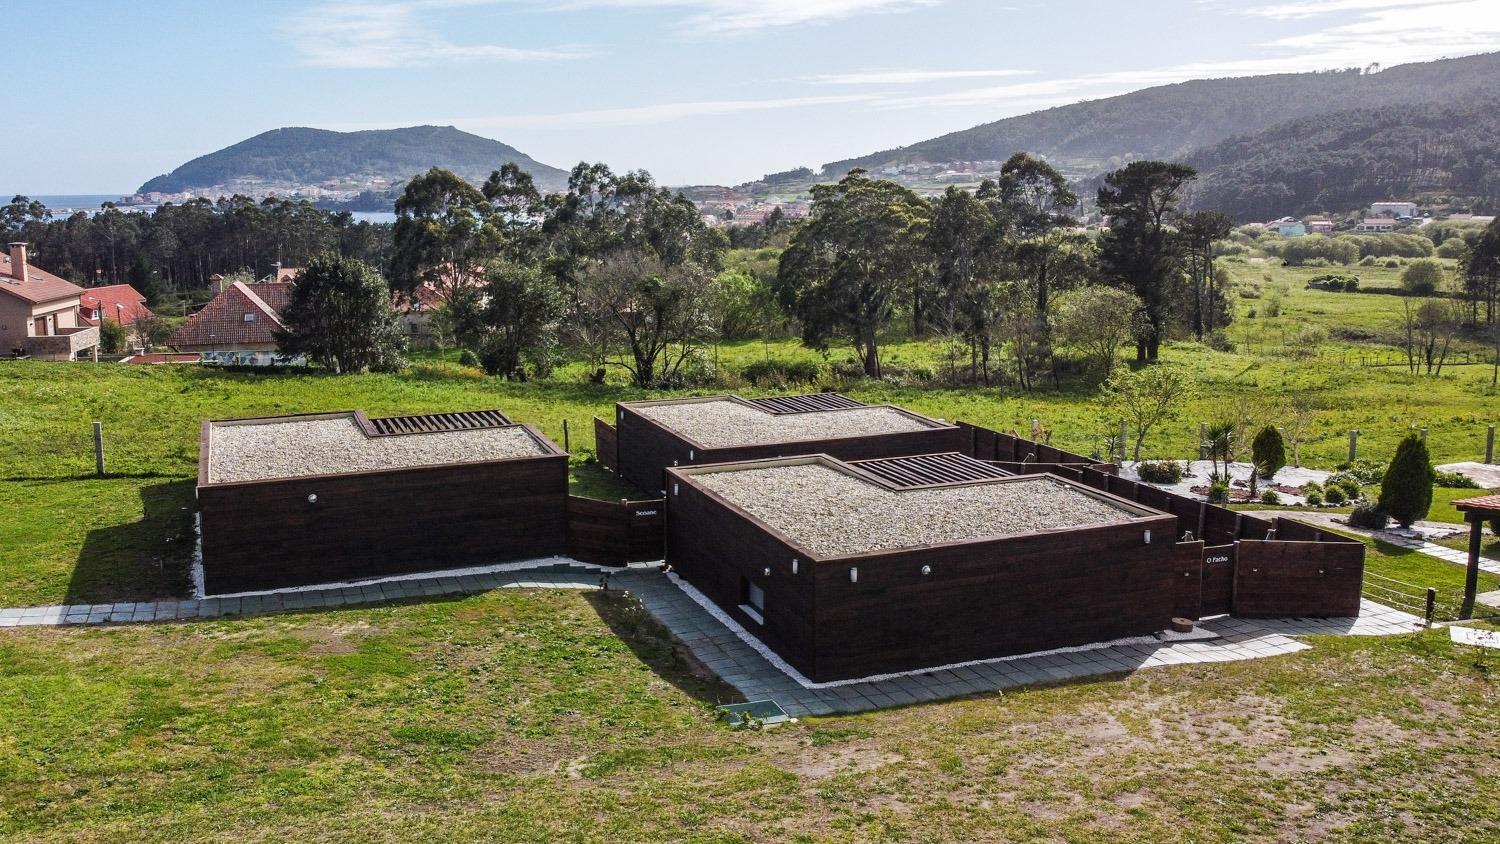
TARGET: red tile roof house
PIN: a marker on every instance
(238, 326)
(39, 312)
(118, 302)
(417, 307)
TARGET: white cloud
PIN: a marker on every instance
(384, 35)
(707, 17)
(908, 77)
(651, 114)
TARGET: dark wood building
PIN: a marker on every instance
(317, 498)
(651, 436)
(851, 610)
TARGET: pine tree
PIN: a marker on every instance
(1406, 490)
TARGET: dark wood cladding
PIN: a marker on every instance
(720, 550)
(646, 448)
(267, 534)
(1274, 579)
(606, 445)
(981, 600)
(616, 532)
(1218, 580)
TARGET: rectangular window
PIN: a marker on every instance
(752, 601)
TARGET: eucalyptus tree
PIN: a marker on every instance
(845, 269)
(1199, 232)
(967, 252)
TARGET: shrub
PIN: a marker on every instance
(1270, 496)
(468, 358)
(1351, 283)
(1160, 471)
(1368, 261)
(1392, 264)
(1453, 247)
(1348, 483)
(1422, 277)
(1268, 450)
(1335, 495)
(1406, 489)
(444, 371)
(1454, 480)
(1365, 471)
(1273, 307)
(1368, 516)
(1314, 497)
(779, 373)
(1219, 341)
(1218, 493)
(1312, 486)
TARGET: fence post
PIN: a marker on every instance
(1353, 446)
(1202, 440)
(1431, 604)
(1489, 446)
(99, 448)
(1424, 435)
(567, 446)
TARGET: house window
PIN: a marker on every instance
(752, 601)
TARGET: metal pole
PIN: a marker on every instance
(1489, 446)
(1353, 446)
(99, 448)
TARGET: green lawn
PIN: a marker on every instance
(563, 716)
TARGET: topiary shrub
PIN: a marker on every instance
(468, 358)
(1365, 471)
(1159, 471)
(1270, 496)
(1218, 493)
(1314, 497)
(1268, 450)
(1406, 489)
(1369, 516)
(1346, 482)
(1335, 495)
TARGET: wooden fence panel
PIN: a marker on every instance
(606, 445)
(1218, 579)
(1302, 579)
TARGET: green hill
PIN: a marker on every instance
(303, 156)
(1173, 121)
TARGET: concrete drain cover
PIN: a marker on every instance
(760, 713)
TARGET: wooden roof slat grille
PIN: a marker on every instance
(931, 470)
(432, 423)
(805, 404)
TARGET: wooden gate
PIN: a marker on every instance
(616, 532)
(1218, 579)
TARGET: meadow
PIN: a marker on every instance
(553, 715)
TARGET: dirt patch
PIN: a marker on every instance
(1304, 760)
(529, 758)
(823, 762)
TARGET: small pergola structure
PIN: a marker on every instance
(1476, 512)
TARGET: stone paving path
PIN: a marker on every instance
(555, 574)
(731, 653)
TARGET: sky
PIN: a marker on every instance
(110, 94)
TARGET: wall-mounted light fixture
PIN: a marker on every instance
(766, 571)
(312, 498)
(1147, 537)
(926, 570)
(794, 565)
(853, 574)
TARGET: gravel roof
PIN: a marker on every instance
(831, 513)
(722, 423)
(322, 446)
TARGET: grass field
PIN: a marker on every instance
(524, 716)
(563, 716)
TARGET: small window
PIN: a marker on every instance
(249, 317)
(752, 601)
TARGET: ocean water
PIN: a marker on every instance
(76, 201)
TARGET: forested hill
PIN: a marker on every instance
(1172, 121)
(311, 156)
(1442, 153)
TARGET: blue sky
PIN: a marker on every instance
(696, 91)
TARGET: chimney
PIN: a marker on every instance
(18, 266)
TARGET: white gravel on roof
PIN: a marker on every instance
(331, 446)
(831, 513)
(723, 423)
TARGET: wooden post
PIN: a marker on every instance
(1424, 435)
(1431, 604)
(1489, 446)
(1124, 432)
(99, 448)
(566, 445)
(1471, 577)
(1353, 446)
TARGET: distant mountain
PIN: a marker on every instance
(1172, 121)
(1444, 153)
(302, 156)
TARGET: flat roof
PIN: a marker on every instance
(831, 510)
(336, 444)
(728, 421)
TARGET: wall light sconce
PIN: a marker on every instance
(853, 574)
(312, 498)
(926, 570)
(794, 565)
(766, 571)
(1148, 537)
